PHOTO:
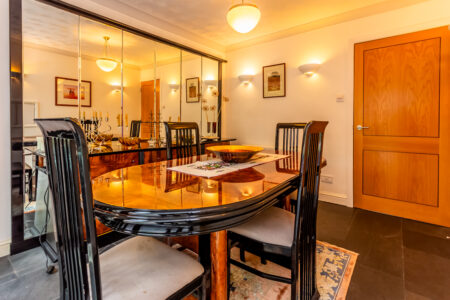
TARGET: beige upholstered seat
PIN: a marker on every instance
(273, 226)
(145, 268)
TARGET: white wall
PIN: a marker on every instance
(42, 66)
(5, 149)
(252, 119)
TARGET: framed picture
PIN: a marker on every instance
(192, 90)
(66, 92)
(30, 112)
(274, 81)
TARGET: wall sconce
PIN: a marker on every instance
(309, 69)
(246, 79)
(117, 88)
(174, 87)
(210, 83)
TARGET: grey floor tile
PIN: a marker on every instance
(6, 271)
(427, 274)
(28, 261)
(333, 222)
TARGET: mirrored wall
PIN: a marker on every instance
(116, 83)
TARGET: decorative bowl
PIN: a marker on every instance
(235, 153)
(103, 138)
(129, 141)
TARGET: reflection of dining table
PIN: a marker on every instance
(151, 200)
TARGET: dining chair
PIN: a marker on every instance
(137, 268)
(283, 237)
(187, 138)
(290, 133)
(135, 128)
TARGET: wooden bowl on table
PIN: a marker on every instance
(235, 153)
(129, 141)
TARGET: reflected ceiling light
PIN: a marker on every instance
(243, 17)
(105, 63)
(309, 69)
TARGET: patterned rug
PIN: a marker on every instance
(334, 270)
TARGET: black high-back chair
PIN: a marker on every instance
(135, 128)
(186, 139)
(137, 268)
(290, 136)
(287, 238)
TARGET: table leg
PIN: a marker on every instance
(219, 265)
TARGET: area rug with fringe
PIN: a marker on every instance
(334, 265)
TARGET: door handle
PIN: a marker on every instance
(360, 127)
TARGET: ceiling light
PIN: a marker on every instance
(243, 17)
(105, 63)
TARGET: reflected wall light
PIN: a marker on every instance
(210, 83)
(117, 88)
(246, 79)
(174, 87)
(309, 69)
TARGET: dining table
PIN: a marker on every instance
(152, 200)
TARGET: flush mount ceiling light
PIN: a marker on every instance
(243, 17)
(105, 63)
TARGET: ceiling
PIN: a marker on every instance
(46, 27)
(207, 18)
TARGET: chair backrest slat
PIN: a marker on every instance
(186, 138)
(304, 246)
(289, 136)
(135, 128)
(69, 180)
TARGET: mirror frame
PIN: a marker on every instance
(18, 243)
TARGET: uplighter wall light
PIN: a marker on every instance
(309, 69)
(174, 87)
(246, 79)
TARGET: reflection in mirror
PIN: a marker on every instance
(168, 71)
(210, 98)
(101, 80)
(191, 74)
(50, 82)
(139, 88)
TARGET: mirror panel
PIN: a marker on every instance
(191, 75)
(50, 51)
(101, 78)
(210, 98)
(168, 72)
(138, 92)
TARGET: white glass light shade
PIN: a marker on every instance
(106, 64)
(243, 17)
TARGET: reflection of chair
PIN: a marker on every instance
(290, 136)
(289, 239)
(89, 125)
(135, 128)
(186, 138)
(124, 271)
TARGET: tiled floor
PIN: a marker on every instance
(399, 259)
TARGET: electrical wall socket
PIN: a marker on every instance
(326, 179)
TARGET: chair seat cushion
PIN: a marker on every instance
(272, 226)
(145, 268)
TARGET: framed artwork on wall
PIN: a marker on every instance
(66, 92)
(274, 81)
(192, 90)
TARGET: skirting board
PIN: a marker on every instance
(4, 248)
(341, 199)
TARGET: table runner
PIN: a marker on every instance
(216, 167)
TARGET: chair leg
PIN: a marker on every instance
(241, 254)
(228, 267)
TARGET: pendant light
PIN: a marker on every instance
(105, 63)
(243, 17)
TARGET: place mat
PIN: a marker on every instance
(216, 167)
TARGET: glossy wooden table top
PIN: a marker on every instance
(154, 187)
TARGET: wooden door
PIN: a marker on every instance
(401, 146)
(149, 112)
